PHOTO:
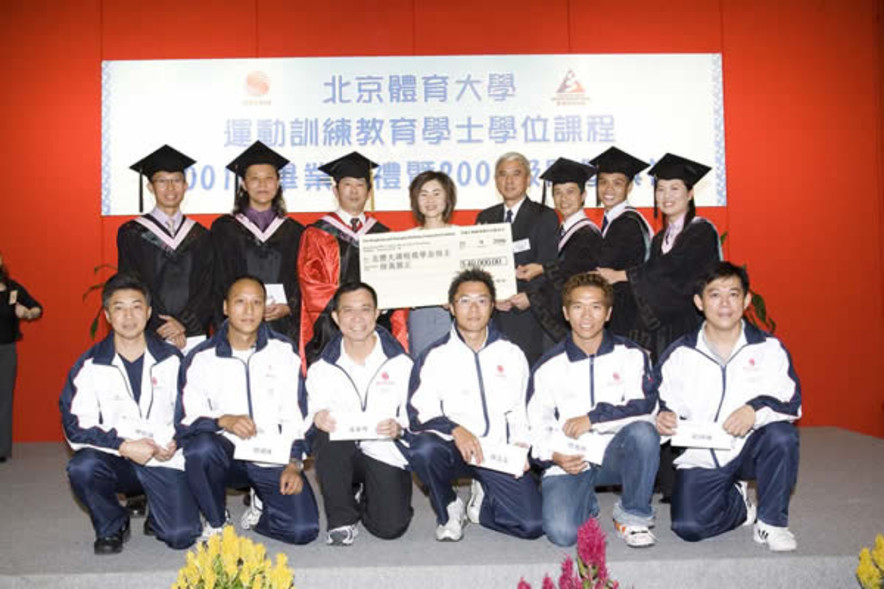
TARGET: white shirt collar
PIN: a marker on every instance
(616, 210)
(164, 219)
(572, 219)
(515, 209)
(347, 217)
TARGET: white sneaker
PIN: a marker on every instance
(252, 513)
(342, 535)
(635, 536)
(209, 530)
(751, 509)
(777, 539)
(474, 506)
(452, 530)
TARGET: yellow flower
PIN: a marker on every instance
(258, 583)
(282, 576)
(203, 560)
(229, 542)
(868, 574)
(258, 554)
(245, 549)
(214, 546)
(209, 579)
(878, 551)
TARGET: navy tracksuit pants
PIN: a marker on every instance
(706, 501)
(211, 468)
(96, 477)
(512, 506)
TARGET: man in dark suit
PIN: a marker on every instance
(535, 240)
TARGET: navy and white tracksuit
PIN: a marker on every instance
(379, 387)
(695, 385)
(613, 387)
(99, 412)
(483, 392)
(266, 385)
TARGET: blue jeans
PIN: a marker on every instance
(631, 459)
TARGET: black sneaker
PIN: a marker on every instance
(113, 544)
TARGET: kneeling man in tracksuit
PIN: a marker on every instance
(117, 410)
(730, 376)
(590, 408)
(356, 395)
(467, 389)
(241, 422)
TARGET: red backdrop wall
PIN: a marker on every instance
(803, 103)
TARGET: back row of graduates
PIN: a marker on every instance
(652, 274)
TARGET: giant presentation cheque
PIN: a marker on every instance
(414, 268)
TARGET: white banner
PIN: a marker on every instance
(454, 113)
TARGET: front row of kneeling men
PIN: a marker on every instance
(592, 411)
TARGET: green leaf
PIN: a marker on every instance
(93, 327)
(100, 267)
(93, 287)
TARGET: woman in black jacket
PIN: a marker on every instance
(16, 305)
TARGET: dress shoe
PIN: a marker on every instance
(137, 506)
(112, 544)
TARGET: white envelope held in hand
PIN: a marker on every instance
(356, 425)
(276, 294)
(268, 447)
(702, 434)
(506, 458)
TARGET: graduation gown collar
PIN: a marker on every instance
(344, 228)
(171, 241)
(582, 222)
(262, 236)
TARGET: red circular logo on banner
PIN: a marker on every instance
(257, 83)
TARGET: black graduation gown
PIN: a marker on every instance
(579, 251)
(626, 244)
(271, 255)
(536, 228)
(176, 269)
(663, 287)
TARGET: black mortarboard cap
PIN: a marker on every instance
(564, 170)
(352, 165)
(617, 161)
(164, 159)
(675, 167)
(256, 153)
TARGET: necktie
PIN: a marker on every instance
(604, 223)
(356, 224)
(170, 224)
(509, 216)
(561, 231)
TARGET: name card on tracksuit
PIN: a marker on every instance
(506, 458)
(356, 426)
(702, 434)
(266, 446)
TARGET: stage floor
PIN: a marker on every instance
(838, 507)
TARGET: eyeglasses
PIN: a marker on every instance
(164, 182)
(466, 301)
